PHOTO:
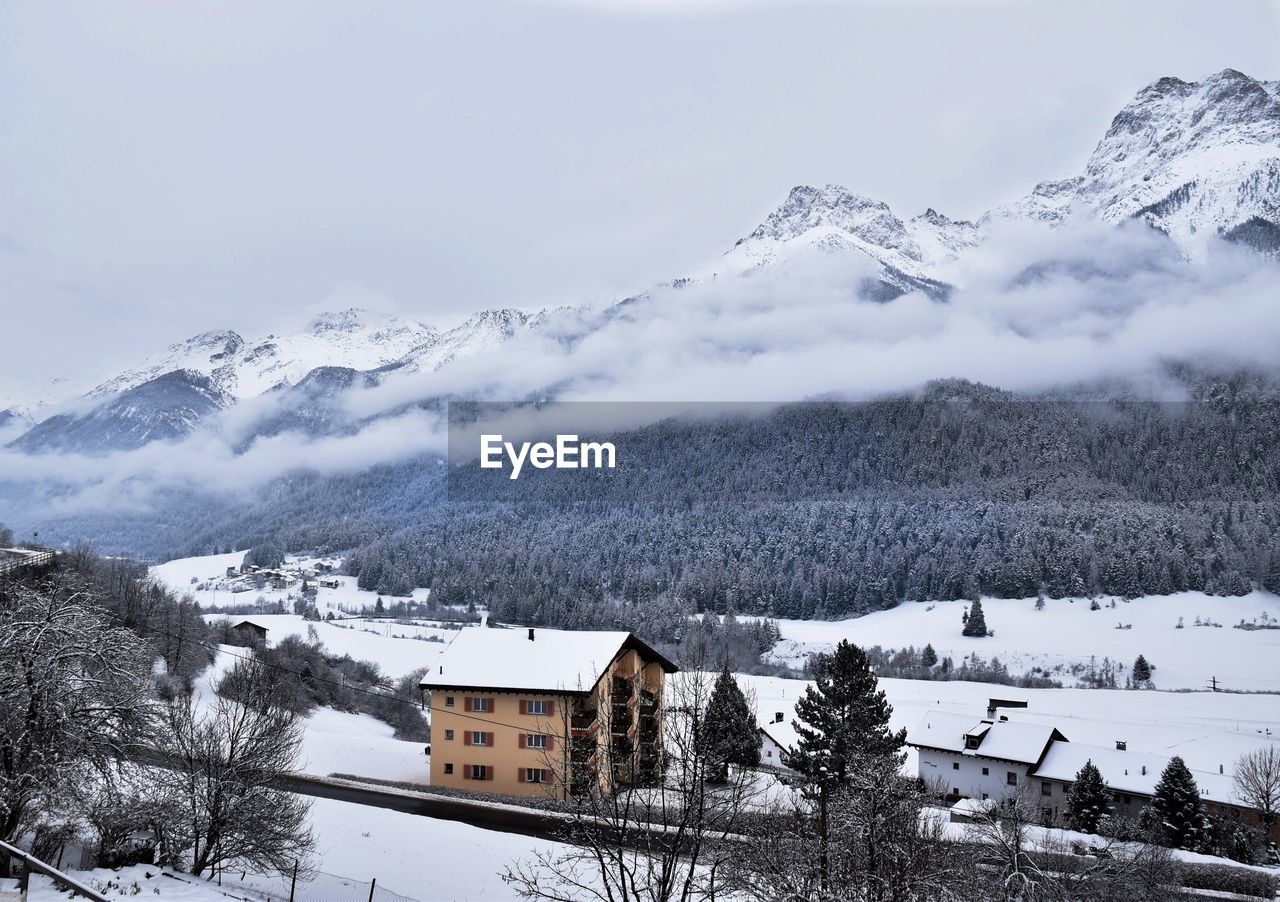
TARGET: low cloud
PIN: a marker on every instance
(1035, 308)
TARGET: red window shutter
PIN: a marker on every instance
(466, 737)
(466, 771)
(466, 703)
(491, 705)
(521, 775)
(524, 706)
(523, 740)
(488, 739)
(551, 743)
(551, 709)
(488, 772)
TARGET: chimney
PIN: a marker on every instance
(1121, 745)
(1220, 770)
(777, 718)
(530, 634)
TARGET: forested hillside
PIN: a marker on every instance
(822, 510)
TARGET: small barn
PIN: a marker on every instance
(252, 630)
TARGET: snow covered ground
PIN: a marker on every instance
(1067, 632)
(1206, 729)
(418, 857)
(205, 579)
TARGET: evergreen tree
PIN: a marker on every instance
(844, 716)
(928, 657)
(1141, 672)
(730, 734)
(1177, 804)
(1088, 802)
(975, 624)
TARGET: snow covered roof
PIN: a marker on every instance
(1013, 741)
(942, 730)
(553, 661)
(1125, 771)
(1003, 739)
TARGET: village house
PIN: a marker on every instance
(777, 738)
(251, 630)
(991, 759)
(529, 712)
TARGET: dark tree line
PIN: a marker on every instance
(817, 510)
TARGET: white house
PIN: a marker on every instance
(979, 759)
(777, 738)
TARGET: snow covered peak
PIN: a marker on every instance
(353, 338)
(353, 319)
(835, 207)
(1193, 159)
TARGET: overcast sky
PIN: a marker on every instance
(172, 167)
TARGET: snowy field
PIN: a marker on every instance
(1067, 632)
(205, 579)
(418, 857)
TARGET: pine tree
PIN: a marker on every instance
(1088, 802)
(1177, 804)
(730, 733)
(1141, 672)
(975, 624)
(928, 657)
(844, 716)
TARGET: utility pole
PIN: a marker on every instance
(1213, 683)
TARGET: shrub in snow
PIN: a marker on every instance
(1224, 878)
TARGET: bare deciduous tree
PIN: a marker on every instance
(880, 841)
(221, 775)
(1257, 783)
(643, 831)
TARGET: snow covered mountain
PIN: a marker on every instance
(1195, 160)
(1192, 159)
(834, 220)
(355, 339)
(166, 407)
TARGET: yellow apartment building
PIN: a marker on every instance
(518, 711)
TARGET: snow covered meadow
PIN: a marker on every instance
(1070, 632)
(1209, 730)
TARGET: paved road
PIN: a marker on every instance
(527, 823)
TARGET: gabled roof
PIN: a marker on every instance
(554, 661)
(941, 730)
(1006, 740)
(1125, 771)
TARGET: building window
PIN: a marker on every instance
(955, 765)
(479, 738)
(986, 772)
(536, 708)
(448, 734)
(1046, 788)
(448, 769)
(536, 775)
(448, 701)
(536, 741)
(479, 772)
(1012, 778)
(480, 704)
